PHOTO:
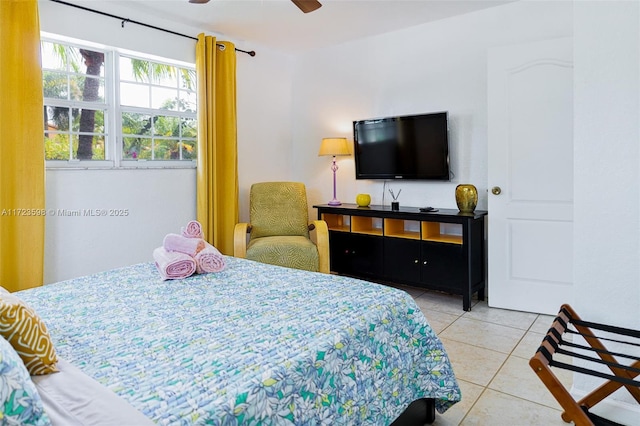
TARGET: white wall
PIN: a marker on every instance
(264, 121)
(141, 207)
(606, 165)
(440, 66)
(160, 200)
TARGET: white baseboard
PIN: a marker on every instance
(614, 410)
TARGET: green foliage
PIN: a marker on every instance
(56, 147)
(158, 137)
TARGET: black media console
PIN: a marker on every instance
(439, 250)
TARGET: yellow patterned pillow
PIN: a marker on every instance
(28, 335)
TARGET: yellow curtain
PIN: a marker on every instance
(22, 169)
(217, 174)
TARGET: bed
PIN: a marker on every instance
(252, 344)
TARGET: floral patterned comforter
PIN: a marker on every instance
(253, 344)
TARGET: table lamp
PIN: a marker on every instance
(334, 147)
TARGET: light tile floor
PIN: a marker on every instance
(490, 349)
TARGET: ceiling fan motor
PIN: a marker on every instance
(304, 5)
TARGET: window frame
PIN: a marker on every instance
(114, 138)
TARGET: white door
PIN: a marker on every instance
(530, 200)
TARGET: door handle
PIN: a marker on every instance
(496, 190)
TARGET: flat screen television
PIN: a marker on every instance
(405, 147)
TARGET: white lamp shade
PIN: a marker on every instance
(334, 146)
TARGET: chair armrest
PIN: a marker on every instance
(240, 239)
(322, 241)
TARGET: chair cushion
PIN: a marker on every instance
(278, 208)
(290, 251)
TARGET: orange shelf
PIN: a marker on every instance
(433, 231)
(366, 225)
(402, 228)
(337, 222)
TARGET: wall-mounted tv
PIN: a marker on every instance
(404, 147)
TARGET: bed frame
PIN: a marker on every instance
(624, 374)
(420, 412)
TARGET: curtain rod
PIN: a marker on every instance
(125, 20)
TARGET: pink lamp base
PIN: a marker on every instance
(334, 168)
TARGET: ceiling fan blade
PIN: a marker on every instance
(199, 1)
(307, 5)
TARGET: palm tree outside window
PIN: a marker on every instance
(103, 106)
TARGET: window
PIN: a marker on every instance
(158, 107)
(107, 108)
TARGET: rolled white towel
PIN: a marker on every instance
(193, 230)
(173, 265)
(190, 246)
(209, 259)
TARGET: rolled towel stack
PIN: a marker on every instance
(183, 255)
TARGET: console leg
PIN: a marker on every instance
(466, 301)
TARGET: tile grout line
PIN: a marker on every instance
(486, 387)
(509, 355)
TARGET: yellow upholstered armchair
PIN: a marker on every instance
(279, 229)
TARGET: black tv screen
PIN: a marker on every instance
(405, 147)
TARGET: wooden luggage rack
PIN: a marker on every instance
(624, 375)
